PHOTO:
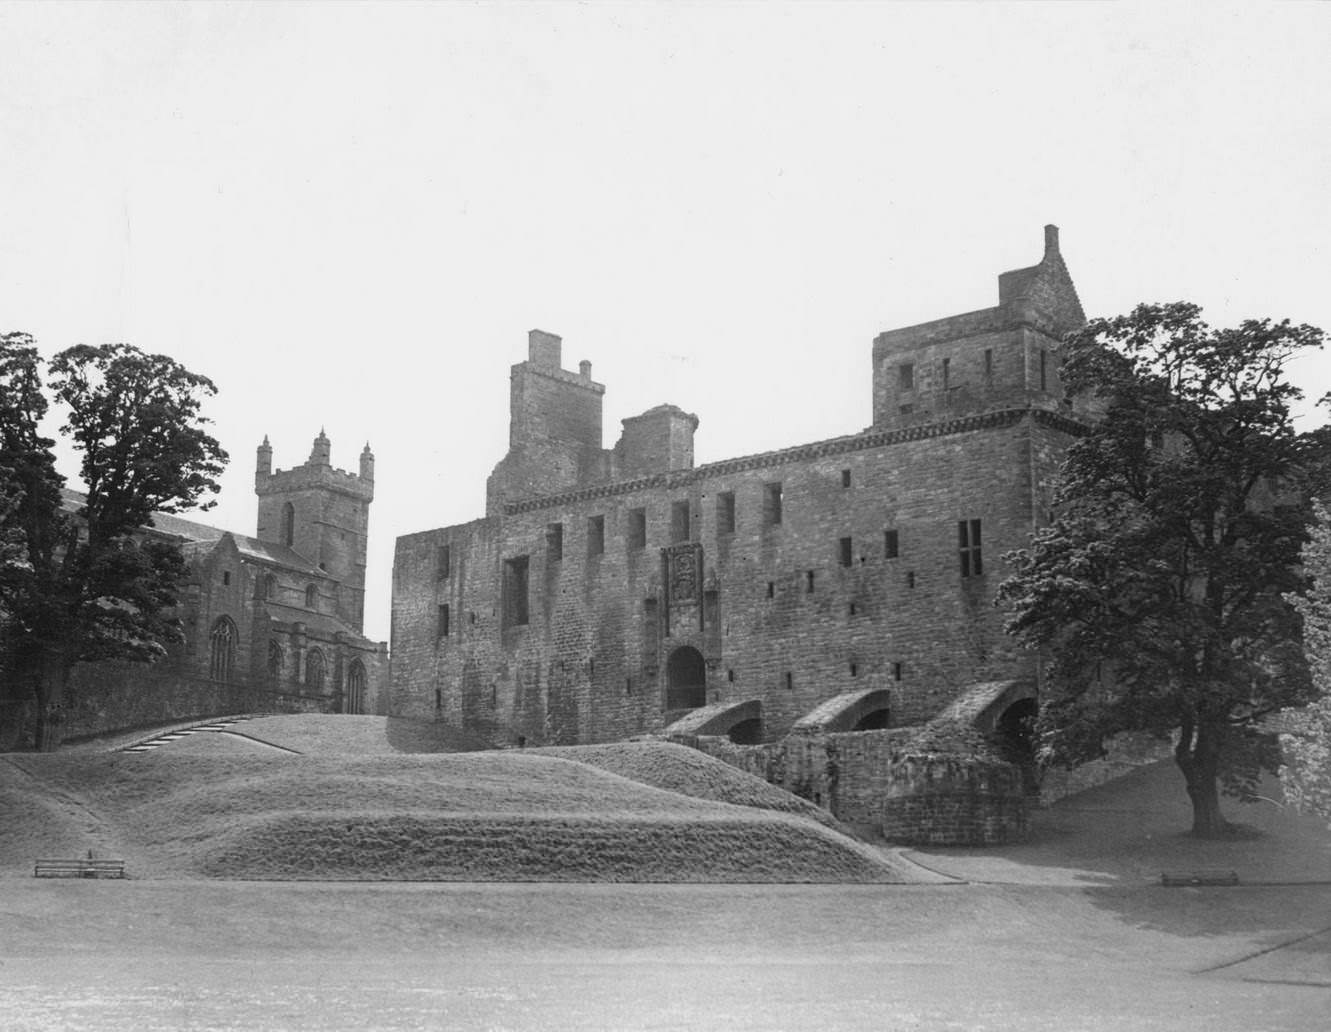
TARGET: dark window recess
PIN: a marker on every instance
(988, 365)
(906, 376)
(1044, 370)
(445, 562)
(679, 521)
(853, 670)
(947, 373)
(896, 671)
(438, 698)
(637, 533)
(725, 512)
(852, 609)
(226, 577)
(443, 621)
(730, 676)
(472, 617)
(910, 579)
(846, 546)
(771, 504)
(515, 591)
(494, 696)
(907, 410)
(554, 542)
(771, 589)
(628, 686)
(968, 544)
(808, 581)
(595, 535)
(845, 478)
(790, 682)
(891, 544)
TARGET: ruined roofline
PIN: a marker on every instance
(831, 446)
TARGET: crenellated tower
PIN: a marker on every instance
(323, 514)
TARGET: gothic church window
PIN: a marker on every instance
(222, 650)
(288, 524)
(274, 658)
(311, 597)
(314, 670)
(355, 687)
(269, 586)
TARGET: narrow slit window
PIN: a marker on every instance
(808, 581)
(679, 521)
(891, 545)
(790, 682)
(445, 562)
(725, 512)
(771, 589)
(968, 544)
(845, 478)
(595, 535)
(443, 622)
(896, 671)
(637, 532)
(772, 504)
(989, 365)
(846, 548)
(554, 542)
(947, 374)
(1044, 370)
(515, 591)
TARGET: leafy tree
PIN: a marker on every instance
(1158, 592)
(1307, 773)
(88, 585)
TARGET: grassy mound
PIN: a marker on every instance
(497, 816)
(552, 847)
(317, 734)
(689, 772)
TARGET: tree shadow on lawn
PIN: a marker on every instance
(1134, 829)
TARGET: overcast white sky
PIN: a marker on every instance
(350, 216)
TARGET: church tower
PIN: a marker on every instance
(323, 514)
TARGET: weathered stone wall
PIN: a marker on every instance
(951, 801)
(777, 614)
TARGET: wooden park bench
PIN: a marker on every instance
(85, 867)
(1202, 877)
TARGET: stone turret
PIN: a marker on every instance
(321, 513)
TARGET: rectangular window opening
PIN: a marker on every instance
(1044, 370)
(852, 609)
(891, 545)
(896, 671)
(968, 545)
(730, 676)
(790, 682)
(808, 581)
(845, 478)
(554, 542)
(906, 376)
(847, 547)
(910, 579)
(772, 504)
(443, 622)
(853, 669)
(679, 521)
(226, 577)
(515, 591)
(947, 374)
(444, 561)
(989, 365)
(725, 512)
(595, 535)
(637, 532)
(771, 589)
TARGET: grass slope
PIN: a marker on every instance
(499, 816)
(678, 768)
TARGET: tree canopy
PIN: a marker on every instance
(1158, 592)
(1307, 747)
(88, 584)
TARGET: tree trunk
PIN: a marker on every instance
(52, 678)
(1196, 758)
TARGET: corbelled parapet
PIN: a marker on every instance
(316, 472)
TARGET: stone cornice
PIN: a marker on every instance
(803, 452)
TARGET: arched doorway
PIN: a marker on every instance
(686, 679)
(1015, 733)
(355, 687)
